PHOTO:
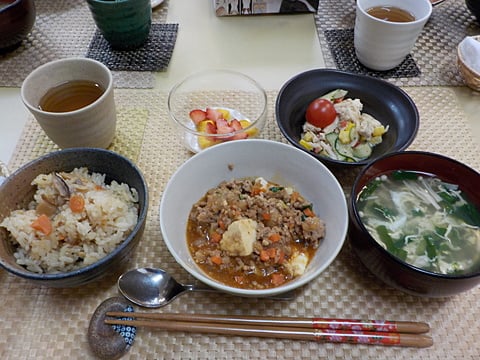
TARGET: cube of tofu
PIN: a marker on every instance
(297, 264)
(239, 238)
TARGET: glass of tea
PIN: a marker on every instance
(386, 30)
(72, 100)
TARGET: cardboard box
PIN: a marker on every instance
(262, 7)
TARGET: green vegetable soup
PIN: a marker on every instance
(423, 220)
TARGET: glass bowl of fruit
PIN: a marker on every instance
(215, 106)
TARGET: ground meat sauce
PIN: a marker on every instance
(253, 234)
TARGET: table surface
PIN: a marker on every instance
(271, 49)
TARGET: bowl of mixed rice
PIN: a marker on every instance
(71, 216)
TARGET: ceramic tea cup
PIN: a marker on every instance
(125, 24)
(474, 7)
(16, 20)
(382, 44)
(72, 100)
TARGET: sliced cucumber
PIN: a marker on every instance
(362, 151)
(331, 138)
(335, 94)
(345, 150)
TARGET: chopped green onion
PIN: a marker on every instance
(448, 197)
(369, 189)
(386, 213)
(389, 243)
(276, 189)
(404, 175)
(469, 214)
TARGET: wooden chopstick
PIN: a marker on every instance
(301, 322)
(322, 330)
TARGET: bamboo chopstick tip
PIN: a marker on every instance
(424, 327)
(426, 341)
(416, 340)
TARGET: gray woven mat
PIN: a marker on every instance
(42, 323)
(432, 60)
(154, 55)
(66, 29)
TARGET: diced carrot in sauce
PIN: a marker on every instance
(266, 216)
(215, 237)
(217, 260)
(77, 203)
(281, 257)
(264, 255)
(43, 224)
(295, 196)
(272, 252)
(221, 224)
(267, 254)
(277, 279)
(308, 212)
(274, 237)
(256, 190)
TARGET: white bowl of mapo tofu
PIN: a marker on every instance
(254, 218)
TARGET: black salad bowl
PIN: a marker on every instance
(384, 101)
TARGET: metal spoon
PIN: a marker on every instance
(153, 288)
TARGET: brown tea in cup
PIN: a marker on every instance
(391, 13)
(93, 123)
(70, 96)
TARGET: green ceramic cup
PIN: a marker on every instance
(125, 24)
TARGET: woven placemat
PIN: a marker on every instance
(129, 134)
(66, 29)
(154, 55)
(39, 322)
(340, 43)
(432, 60)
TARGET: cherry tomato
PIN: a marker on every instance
(320, 113)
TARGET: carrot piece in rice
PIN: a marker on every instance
(43, 224)
(77, 203)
